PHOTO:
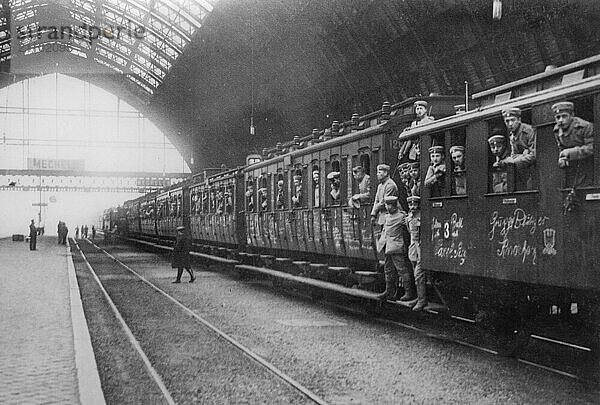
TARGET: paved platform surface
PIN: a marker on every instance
(45, 350)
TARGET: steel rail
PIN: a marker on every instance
(134, 342)
(246, 351)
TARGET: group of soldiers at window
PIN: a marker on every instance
(217, 201)
(513, 146)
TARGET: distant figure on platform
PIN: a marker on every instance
(32, 235)
(76, 232)
(85, 230)
(181, 255)
(93, 232)
(59, 231)
(62, 233)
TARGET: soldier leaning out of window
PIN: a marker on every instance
(364, 187)
(522, 147)
(457, 152)
(436, 172)
(497, 142)
(575, 139)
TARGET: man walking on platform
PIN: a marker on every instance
(32, 236)
(181, 255)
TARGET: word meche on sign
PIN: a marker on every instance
(517, 235)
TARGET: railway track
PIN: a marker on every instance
(273, 371)
(574, 354)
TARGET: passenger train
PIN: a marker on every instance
(524, 254)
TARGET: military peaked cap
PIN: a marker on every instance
(457, 148)
(420, 103)
(181, 228)
(511, 112)
(415, 198)
(436, 148)
(383, 167)
(333, 175)
(391, 199)
(563, 106)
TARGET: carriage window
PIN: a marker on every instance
(193, 199)
(229, 199)
(511, 152)
(361, 187)
(298, 200)
(574, 137)
(435, 178)
(249, 194)
(279, 191)
(220, 203)
(334, 195)
(205, 202)
(263, 197)
(316, 190)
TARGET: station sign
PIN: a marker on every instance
(55, 164)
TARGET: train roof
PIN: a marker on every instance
(551, 77)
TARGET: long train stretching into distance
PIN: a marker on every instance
(523, 253)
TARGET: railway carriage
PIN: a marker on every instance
(527, 250)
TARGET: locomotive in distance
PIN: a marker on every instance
(502, 238)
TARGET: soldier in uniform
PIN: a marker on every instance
(497, 142)
(279, 200)
(522, 147)
(436, 172)
(334, 177)
(457, 152)
(32, 235)
(316, 190)
(404, 170)
(575, 139)
(387, 187)
(421, 118)
(415, 181)
(364, 187)
(297, 197)
(181, 255)
(413, 222)
(391, 243)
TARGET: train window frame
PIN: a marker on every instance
(579, 102)
(298, 168)
(279, 176)
(334, 164)
(249, 198)
(263, 183)
(511, 189)
(315, 163)
(449, 137)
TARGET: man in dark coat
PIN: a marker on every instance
(32, 235)
(181, 255)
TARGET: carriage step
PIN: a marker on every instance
(299, 267)
(366, 277)
(283, 264)
(267, 260)
(319, 271)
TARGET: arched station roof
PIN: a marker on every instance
(205, 67)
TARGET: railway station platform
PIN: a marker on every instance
(46, 354)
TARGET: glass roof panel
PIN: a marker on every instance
(139, 38)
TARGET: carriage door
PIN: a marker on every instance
(280, 205)
(315, 238)
(579, 214)
(332, 200)
(514, 221)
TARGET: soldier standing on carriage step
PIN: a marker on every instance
(387, 187)
(575, 139)
(391, 243)
(181, 255)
